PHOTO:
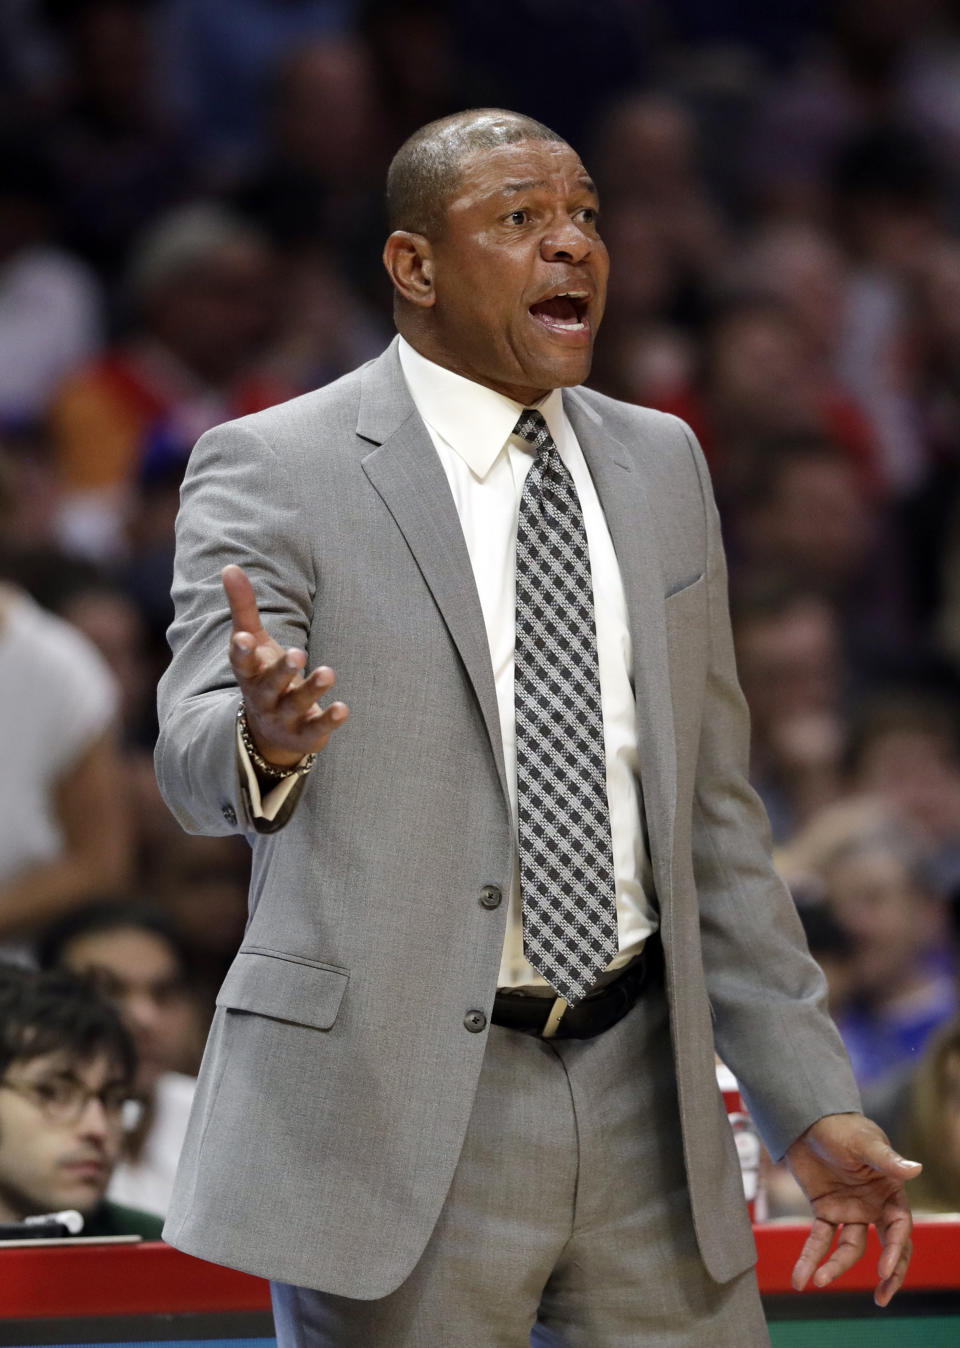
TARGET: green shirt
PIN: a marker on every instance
(113, 1219)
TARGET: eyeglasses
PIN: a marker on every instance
(63, 1099)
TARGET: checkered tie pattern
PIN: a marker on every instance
(566, 855)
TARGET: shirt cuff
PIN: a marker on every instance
(265, 806)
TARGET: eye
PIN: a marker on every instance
(114, 1099)
(59, 1093)
(519, 217)
(590, 215)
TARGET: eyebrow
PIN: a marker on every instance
(511, 189)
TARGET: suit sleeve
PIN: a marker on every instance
(767, 994)
(237, 505)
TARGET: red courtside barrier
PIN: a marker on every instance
(145, 1293)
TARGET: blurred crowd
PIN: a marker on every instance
(191, 220)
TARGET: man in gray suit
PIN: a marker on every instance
(462, 1068)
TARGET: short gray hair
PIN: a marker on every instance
(427, 168)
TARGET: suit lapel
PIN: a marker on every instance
(618, 477)
(406, 472)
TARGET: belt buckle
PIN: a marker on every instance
(554, 1018)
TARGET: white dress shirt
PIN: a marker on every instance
(471, 427)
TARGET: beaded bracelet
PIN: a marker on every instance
(265, 769)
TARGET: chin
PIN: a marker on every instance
(567, 374)
(561, 369)
(85, 1203)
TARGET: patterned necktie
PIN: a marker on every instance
(566, 855)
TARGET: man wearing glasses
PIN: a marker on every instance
(67, 1066)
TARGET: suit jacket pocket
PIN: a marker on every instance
(284, 987)
(687, 632)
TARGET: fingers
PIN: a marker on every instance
(878, 1153)
(871, 1145)
(282, 710)
(816, 1247)
(816, 1260)
(323, 722)
(851, 1245)
(894, 1281)
(270, 675)
(282, 714)
(894, 1230)
(242, 600)
(278, 684)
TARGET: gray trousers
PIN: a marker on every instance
(568, 1210)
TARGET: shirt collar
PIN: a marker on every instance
(475, 421)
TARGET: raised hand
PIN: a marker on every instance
(281, 701)
(852, 1177)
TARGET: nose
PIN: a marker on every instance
(565, 241)
(94, 1122)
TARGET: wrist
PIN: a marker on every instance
(270, 772)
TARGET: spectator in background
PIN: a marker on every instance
(666, 239)
(134, 956)
(790, 660)
(316, 193)
(419, 71)
(50, 304)
(30, 490)
(948, 618)
(876, 880)
(797, 511)
(94, 602)
(106, 615)
(888, 201)
(66, 1074)
(122, 159)
(932, 512)
(935, 339)
(326, 143)
(800, 512)
(832, 946)
(801, 268)
(63, 820)
(932, 1127)
(905, 749)
(217, 60)
(201, 281)
(855, 71)
(648, 154)
(761, 379)
(643, 307)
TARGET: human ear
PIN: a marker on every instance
(408, 258)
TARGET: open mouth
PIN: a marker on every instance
(566, 312)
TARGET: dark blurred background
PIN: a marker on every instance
(191, 220)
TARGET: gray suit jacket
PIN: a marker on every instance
(339, 1075)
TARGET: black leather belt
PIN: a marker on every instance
(597, 1012)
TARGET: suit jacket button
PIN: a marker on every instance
(475, 1021)
(491, 896)
(229, 814)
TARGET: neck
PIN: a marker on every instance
(10, 1209)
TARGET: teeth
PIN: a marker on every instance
(578, 326)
